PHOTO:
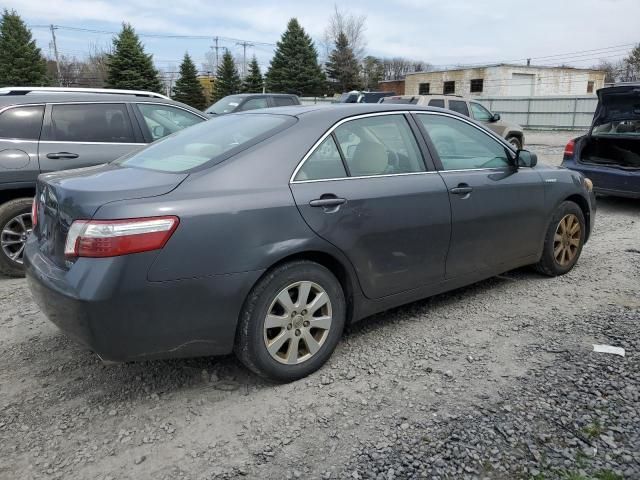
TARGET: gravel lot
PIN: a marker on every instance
(496, 380)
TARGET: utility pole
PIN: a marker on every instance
(244, 56)
(55, 52)
(215, 39)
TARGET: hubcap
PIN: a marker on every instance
(297, 323)
(566, 240)
(14, 236)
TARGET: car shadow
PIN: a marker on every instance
(617, 204)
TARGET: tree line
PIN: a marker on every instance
(294, 68)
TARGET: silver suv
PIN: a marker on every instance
(511, 132)
(48, 129)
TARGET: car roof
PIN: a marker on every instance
(55, 97)
(338, 111)
(243, 95)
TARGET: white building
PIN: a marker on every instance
(505, 80)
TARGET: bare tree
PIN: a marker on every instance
(168, 77)
(352, 25)
(397, 68)
(96, 65)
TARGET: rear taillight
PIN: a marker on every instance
(111, 238)
(569, 149)
(34, 212)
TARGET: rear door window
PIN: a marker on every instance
(324, 163)
(22, 123)
(163, 120)
(379, 145)
(459, 106)
(91, 122)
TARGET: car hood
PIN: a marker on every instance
(616, 104)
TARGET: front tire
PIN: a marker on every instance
(15, 225)
(291, 322)
(563, 241)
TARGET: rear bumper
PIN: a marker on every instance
(608, 180)
(109, 306)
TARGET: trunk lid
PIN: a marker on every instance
(70, 195)
(617, 104)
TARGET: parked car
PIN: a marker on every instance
(356, 96)
(48, 129)
(265, 232)
(513, 133)
(610, 153)
(251, 101)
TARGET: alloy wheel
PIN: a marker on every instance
(297, 323)
(566, 240)
(14, 236)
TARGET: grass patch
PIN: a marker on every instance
(593, 430)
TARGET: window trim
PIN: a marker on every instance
(42, 124)
(436, 157)
(403, 113)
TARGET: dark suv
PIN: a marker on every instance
(251, 101)
(48, 129)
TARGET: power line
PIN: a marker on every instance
(154, 35)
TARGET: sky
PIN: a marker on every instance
(441, 32)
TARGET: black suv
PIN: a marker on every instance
(48, 129)
(251, 101)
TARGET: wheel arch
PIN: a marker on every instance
(518, 135)
(584, 206)
(16, 193)
(342, 272)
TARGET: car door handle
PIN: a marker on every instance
(462, 189)
(61, 155)
(327, 202)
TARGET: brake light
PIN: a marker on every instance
(569, 149)
(111, 238)
(34, 212)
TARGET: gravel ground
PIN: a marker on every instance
(496, 380)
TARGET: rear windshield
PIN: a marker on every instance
(207, 143)
(224, 105)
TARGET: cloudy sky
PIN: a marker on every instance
(442, 32)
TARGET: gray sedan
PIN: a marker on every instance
(264, 233)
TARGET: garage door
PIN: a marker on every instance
(522, 84)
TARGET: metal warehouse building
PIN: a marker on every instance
(506, 80)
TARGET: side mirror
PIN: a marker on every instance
(524, 158)
(495, 117)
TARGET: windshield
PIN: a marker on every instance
(208, 142)
(224, 105)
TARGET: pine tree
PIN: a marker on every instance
(343, 67)
(294, 67)
(129, 67)
(253, 82)
(227, 78)
(188, 88)
(21, 63)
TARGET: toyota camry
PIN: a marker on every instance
(266, 232)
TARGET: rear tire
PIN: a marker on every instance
(15, 224)
(563, 241)
(282, 334)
